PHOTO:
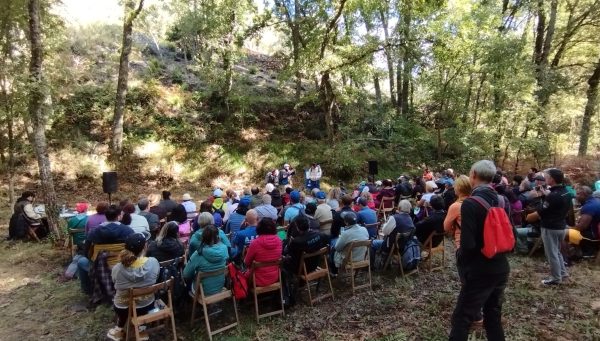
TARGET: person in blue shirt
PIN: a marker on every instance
(294, 209)
(236, 218)
(367, 216)
(246, 235)
(589, 218)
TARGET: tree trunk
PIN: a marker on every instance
(399, 72)
(329, 105)
(38, 115)
(388, 54)
(407, 58)
(117, 127)
(228, 59)
(377, 90)
(590, 110)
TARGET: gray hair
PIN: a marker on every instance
(205, 219)
(143, 204)
(266, 199)
(405, 206)
(585, 190)
(484, 169)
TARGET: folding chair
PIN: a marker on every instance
(431, 251)
(398, 250)
(71, 244)
(199, 297)
(112, 249)
(536, 245)
(164, 313)
(373, 225)
(270, 288)
(386, 206)
(349, 265)
(320, 272)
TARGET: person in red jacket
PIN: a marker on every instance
(266, 247)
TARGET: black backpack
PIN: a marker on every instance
(172, 269)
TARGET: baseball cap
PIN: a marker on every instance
(321, 195)
(135, 243)
(245, 201)
(217, 193)
(295, 196)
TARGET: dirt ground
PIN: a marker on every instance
(35, 306)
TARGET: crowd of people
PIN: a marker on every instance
(278, 221)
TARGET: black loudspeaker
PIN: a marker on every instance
(110, 184)
(373, 167)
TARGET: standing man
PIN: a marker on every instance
(485, 278)
(285, 177)
(552, 213)
(314, 177)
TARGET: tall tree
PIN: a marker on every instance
(590, 109)
(38, 114)
(131, 12)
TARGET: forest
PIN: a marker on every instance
(193, 95)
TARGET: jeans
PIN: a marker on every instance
(376, 245)
(83, 272)
(479, 291)
(332, 268)
(552, 240)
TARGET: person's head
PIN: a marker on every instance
(525, 185)
(266, 226)
(311, 208)
(29, 195)
(387, 183)
(135, 245)
(517, 180)
(143, 204)
(367, 196)
(243, 206)
(266, 199)
(429, 186)
(405, 206)
(269, 188)
(179, 214)
(302, 224)
(154, 199)
(289, 190)
(168, 230)
(129, 208)
(101, 207)
(321, 197)
(113, 213)
(251, 217)
(370, 179)
(482, 172)
(255, 190)
(533, 170)
(81, 207)
(295, 197)
(218, 193)
(230, 194)
(205, 219)
(334, 193)
(210, 235)
(186, 197)
(349, 218)
(205, 206)
(124, 203)
(583, 193)
(501, 189)
(362, 201)
(166, 195)
(554, 176)
(462, 186)
(346, 200)
(436, 202)
(286, 166)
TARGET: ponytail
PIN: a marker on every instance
(126, 218)
(127, 258)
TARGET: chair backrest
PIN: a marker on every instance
(151, 290)
(372, 225)
(258, 265)
(202, 275)
(429, 241)
(180, 261)
(112, 249)
(320, 253)
(402, 238)
(387, 203)
(349, 249)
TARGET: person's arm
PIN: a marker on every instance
(584, 222)
(30, 213)
(451, 217)
(389, 226)
(250, 255)
(224, 238)
(341, 242)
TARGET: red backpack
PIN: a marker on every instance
(239, 283)
(498, 235)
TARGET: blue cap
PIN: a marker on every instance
(321, 195)
(245, 201)
(295, 196)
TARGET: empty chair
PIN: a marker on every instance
(322, 271)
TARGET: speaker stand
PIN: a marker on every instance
(109, 199)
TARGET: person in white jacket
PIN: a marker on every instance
(313, 177)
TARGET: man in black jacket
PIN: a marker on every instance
(552, 212)
(485, 278)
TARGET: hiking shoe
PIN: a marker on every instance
(549, 282)
(115, 334)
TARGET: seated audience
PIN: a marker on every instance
(266, 210)
(205, 219)
(265, 247)
(246, 235)
(219, 207)
(294, 209)
(97, 218)
(589, 218)
(308, 241)
(155, 207)
(434, 222)
(133, 271)
(151, 218)
(137, 223)
(367, 216)
(236, 218)
(400, 222)
(211, 255)
(333, 198)
(167, 244)
(351, 233)
(189, 204)
(323, 213)
(386, 191)
(179, 215)
(109, 232)
(166, 203)
(276, 199)
(78, 222)
(256, 198)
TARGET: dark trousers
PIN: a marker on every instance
(479, 291)
(123, 314)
